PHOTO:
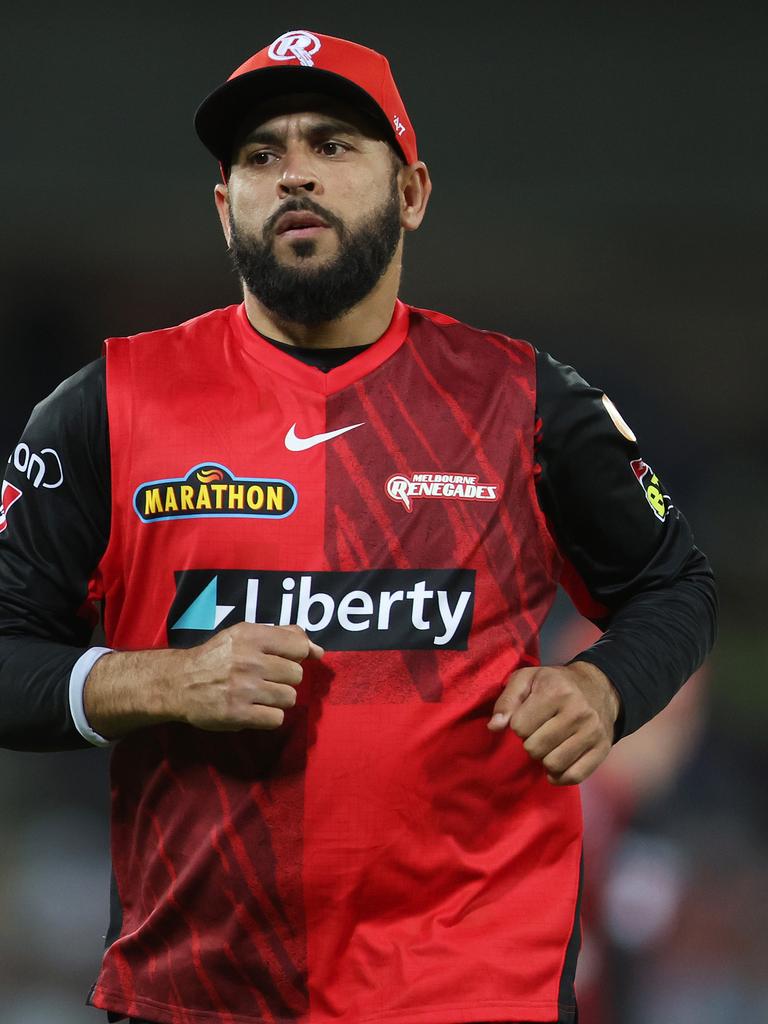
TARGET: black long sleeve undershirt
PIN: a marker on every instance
(631, 563)
(635, 574)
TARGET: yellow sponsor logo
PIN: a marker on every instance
(211, 491)
(652, 488)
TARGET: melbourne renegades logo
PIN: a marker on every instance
(9, 495)
(297, 45)
(465, 487)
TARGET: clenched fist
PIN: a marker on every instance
(242, 678)
(565, 716)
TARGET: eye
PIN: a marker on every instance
(333, 148)
(261, 157)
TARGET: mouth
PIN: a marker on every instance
(300, 224)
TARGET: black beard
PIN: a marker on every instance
(317, 296)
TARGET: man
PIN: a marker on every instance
(325, 529)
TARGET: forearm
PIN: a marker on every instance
(45, 706)
(656, 642)
(242, 678)
(128, 690)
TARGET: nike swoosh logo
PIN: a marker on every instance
(300, 444)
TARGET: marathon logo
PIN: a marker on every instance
(438, 485)
(651, 486)
(211, 491)
(370, 610)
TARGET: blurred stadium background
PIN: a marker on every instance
(600, 174)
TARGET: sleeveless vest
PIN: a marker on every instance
(381, 855)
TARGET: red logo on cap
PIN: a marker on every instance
(297, 45)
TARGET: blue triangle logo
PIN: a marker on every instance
(204, 613)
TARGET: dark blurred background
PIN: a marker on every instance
(600, 189)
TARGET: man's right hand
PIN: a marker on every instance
(242, 678)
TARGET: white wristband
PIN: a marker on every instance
(77, 680)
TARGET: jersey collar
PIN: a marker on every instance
(259, 351)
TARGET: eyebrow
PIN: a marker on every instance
(324, 126)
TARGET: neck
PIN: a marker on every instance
(361, 325)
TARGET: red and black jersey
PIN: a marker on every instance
(382, 856)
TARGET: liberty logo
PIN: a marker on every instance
(366, 610)
(204, 613)
(297, 45)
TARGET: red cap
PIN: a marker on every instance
(302, 61)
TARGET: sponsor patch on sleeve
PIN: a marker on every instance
(8, 497)
(652, 489)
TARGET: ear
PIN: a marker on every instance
(415, 189)
(221, 198)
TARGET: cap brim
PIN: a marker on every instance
(221, 115)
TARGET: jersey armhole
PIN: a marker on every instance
(119, 413)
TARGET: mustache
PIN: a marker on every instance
(304, 205)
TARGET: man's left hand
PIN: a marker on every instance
(565, 716)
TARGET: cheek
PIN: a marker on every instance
(246, 209)
(355, 202)
(363, 186)
(248, 206)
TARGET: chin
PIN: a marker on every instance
(305, 254)
(304, 249)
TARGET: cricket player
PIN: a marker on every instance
(323, 529)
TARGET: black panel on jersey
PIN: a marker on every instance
(566, 995)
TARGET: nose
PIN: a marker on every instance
(297, 177)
